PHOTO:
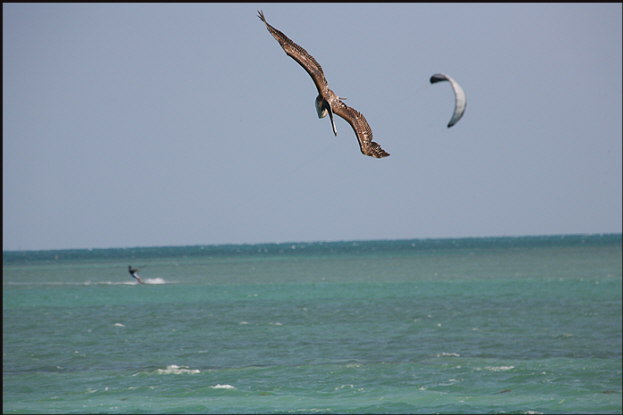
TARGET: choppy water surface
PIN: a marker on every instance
(519, 325)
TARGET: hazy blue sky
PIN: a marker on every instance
(181, 124)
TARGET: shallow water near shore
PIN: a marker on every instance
(474, 325)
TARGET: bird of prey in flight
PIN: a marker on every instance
(327, 102)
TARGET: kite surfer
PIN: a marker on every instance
(134, 273)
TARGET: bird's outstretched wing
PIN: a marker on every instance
(362, 130)
(300, 55)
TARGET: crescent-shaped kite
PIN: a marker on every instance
(459, 96)
(327, 102)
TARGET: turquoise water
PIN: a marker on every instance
(478, 325)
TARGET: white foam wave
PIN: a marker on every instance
(177, 370)
(219, 386)
(349, 386)
(444, 354)
(499, 368)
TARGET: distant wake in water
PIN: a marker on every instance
(147, 281)
(155, 281)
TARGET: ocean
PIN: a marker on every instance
(523, 325)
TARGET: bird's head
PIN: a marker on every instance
(321, 107)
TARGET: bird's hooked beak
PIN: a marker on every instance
(323, 108)
(332, 122)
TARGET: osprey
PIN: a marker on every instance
(327, 102)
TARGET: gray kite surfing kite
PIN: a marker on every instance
(459, 96)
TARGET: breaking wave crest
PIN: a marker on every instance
(177, 370)
(219, 386)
